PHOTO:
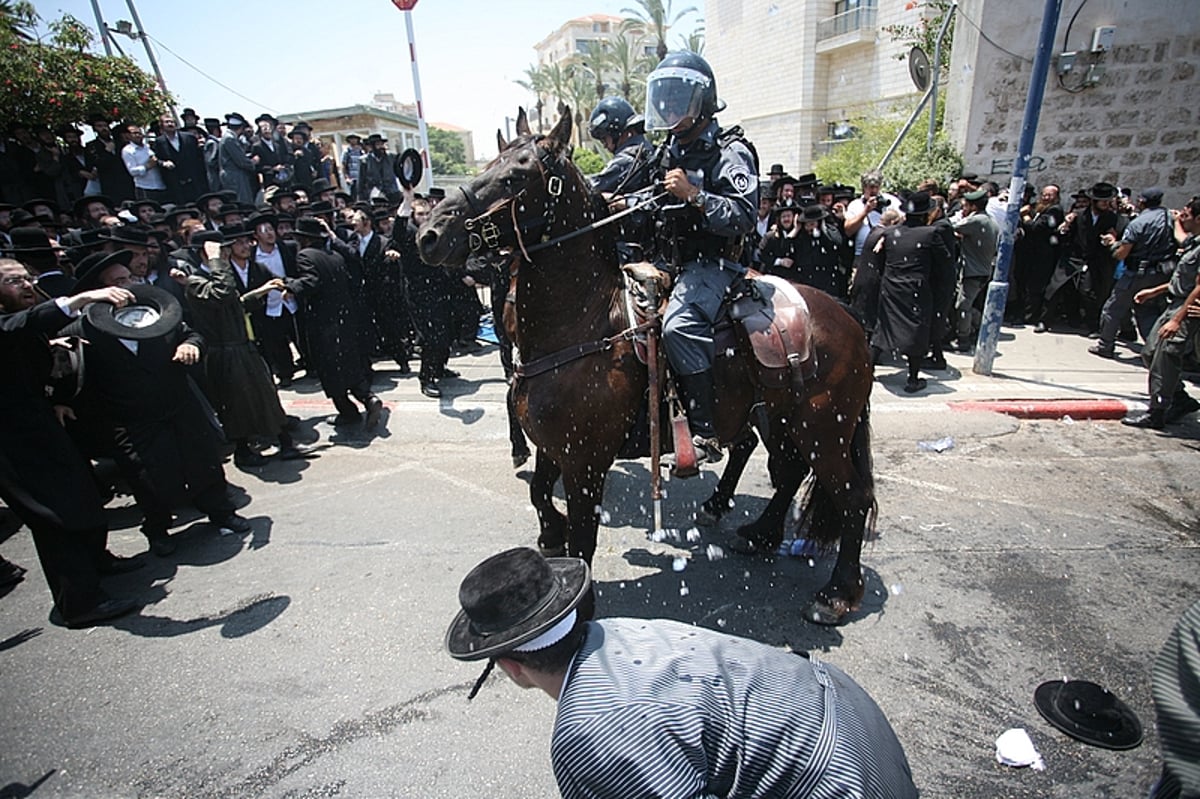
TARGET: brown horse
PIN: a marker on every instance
(584, 385)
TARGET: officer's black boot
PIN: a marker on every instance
(698, 395)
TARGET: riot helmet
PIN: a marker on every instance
(680, 92)
(612, 117)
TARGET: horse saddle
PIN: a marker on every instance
(771, 319)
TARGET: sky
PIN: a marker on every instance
(291, 57)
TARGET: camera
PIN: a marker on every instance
(881, 202)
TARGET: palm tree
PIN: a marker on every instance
(595, 61)
(581, 96)
(17, 20)
(655, 16)
(694, 41)
(537, 82)
(629, 65)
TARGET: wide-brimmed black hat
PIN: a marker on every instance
(320, 207)
(202, 237)
(785, 205)
(808, 181)
(813, 213)
(89, 269)
(1102, 191)
(918, 203)
(34, 203)
(1089, 713)
(230, 208)
(31, 246)
(776, 169)
(204, 199)
(260, 218)
(153, 313)
(311, 227)
(512, 598)
(135, 204)
(265, 117)
(129, 234)
(437, 193)
(83, 202)
(189, 112)
(235, 120)
(320, 185)
(408, 168)
(376, 138)
(237, 231)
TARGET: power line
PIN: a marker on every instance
(989, 40)
(204, 74)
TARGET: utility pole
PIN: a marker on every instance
(100, 26)
(997, 294)
(141, 34)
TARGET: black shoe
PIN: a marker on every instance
(405, 369)
(374, 409)
(964, 347)
(708, 449)
(1094, 335)
(161, 545)
(248, 458)
(233, 523)
(295, 452)
(103, 611)
(430, 388)
(937, 364)
(115, 564)
(346, 419)
(1152, 420)
(448, 374)
(285, 382)
(1102, 351)
(912, 386)
(1040, 327)
(1181, 407)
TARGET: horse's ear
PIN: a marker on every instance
(501, 144)
(562, 129)
(523, 123)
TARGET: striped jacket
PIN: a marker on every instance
(662, 709)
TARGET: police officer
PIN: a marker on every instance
(714, 173)
(622, 132)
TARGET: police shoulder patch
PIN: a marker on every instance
(740, 179)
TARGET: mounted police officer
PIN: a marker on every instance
(623, 133)
(714, 173)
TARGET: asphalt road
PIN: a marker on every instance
(305, 659)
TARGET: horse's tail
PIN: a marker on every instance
(820, 514)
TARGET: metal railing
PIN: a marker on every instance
(856, 19)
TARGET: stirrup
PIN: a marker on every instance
(708, 450)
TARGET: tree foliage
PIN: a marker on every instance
(59, 80)
(588, 161)
(908, 166)
(655, 17)
(924, 34)
(447, 153)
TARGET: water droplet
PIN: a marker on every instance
(679, 564)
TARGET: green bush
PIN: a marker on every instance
(589, 163)
(909, 165)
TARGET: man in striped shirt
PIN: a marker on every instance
(655, 708)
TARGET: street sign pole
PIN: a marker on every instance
(997, 294)
(407, 6)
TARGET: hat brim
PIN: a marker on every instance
(110, 319)
(1049, 698)
(574, 578)
(408, 168)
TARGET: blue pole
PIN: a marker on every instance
(997, 294)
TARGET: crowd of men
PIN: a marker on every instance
(248, 257)
(1107, 267)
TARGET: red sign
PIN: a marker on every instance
(405, 5)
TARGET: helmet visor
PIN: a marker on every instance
(674, 95)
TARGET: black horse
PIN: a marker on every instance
(583, 398)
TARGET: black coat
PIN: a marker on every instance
(909, 261)
(333, 319)
(115, 180)
(269, 158)
(189, 179)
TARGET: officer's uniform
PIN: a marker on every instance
(629, 169)
(705, 242)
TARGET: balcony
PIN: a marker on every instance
(856, 26)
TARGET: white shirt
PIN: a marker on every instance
(273, 261)
(364, 242)
(136, 160)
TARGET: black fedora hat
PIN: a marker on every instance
(512, 598)
(776, 171)
(408, 168)
(129, 234)
(266, 217)
(310, 227)
(1089, 713)
(437, 193)
(153, 313)
(265, 117)
(83, 202)
(89, 269)
(238, 230)
(1102, 191)
(320, 185)
(785, 205)
(34, 203)
(808, 181)
(813, 213)
(918, 203)
(204, 199)
(189, 112)
(320, 207)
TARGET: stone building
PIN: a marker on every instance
(1124, 108)
(794, 73)
(332, 125)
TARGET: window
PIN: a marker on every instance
(842, 6)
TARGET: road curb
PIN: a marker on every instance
(1053, 408)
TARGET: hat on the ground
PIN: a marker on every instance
(512, 598)
(408, 168)
(153, 313)
(1089, 713)
(89, 269)
(918, 203)
(310, 227)
(1102, 191)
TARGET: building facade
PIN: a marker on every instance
(332, 125)
(796, 73)
(1122, 105)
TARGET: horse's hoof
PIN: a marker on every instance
(752, 546)
(559, 551)
(828, 614)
